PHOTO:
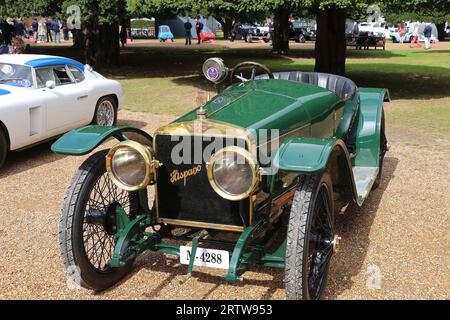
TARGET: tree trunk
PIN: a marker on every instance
(101, 43)
(441, 32)
(280, 40)
(330, 49)
(78, 41)
(227, 27)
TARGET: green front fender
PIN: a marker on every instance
(304, 154)
(81, 141)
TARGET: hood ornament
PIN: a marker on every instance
(202, 99)
(201, 113)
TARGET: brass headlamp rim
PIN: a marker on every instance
(253, 165)
(147, 154)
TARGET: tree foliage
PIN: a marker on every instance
(437, 11)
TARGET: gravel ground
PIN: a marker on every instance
(395, 247)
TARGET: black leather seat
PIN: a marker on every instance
(342, 86)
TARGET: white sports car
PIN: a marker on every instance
(42, 97)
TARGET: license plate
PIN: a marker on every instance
(206, 257)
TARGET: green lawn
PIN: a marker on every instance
(166, 79)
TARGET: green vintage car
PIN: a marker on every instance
(254, 176)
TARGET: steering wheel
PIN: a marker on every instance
(249, 64)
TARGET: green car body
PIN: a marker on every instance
(318, 131)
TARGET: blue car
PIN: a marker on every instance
(164, 33)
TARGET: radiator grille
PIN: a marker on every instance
(192, 198)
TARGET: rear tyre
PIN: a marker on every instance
(3, 148)
(106, 112)
(248, 38)
(311, 239)
(383, 149)
(301, 38)
(86, 236)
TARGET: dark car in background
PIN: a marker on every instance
(301, 33)
(248, 33)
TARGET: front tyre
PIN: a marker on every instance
(106, 112)
(87, 232)
(3, 148)
(311, 239)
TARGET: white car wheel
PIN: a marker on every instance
(106, 112)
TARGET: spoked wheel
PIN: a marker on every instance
(88, 225)
(311, 239)
(106, 112)
(384, 146)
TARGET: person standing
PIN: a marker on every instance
(198, 29)
(65, 31)
(402, 32)
(34, 28)
(415, 40)
(42, 30)
(355, 30)
(427, 33)
(123, 35)
(7, 31)
(19, 28)
(48, 28)
(56, 31)
(188, 32)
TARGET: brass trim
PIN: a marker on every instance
(204, 225)
(253, 165)
(145, 151)
(205, 127)
(214, 128)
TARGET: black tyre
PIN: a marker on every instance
(248, 38)
(383, 149)
(311, 240)
(86, 236)
(301, 38)
(106, 111)
(3, 148)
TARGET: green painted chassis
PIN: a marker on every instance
(356, 176)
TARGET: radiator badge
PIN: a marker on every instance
(176, 175)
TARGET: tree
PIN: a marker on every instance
(228, 12)
(281, 10)
(437, 12)
(99, 35)
(330, 48)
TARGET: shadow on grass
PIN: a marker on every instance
(405, 81)
(401, 86)
(421, 82)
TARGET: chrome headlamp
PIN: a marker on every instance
(233, 173)
(130, 165)
(215, 70)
